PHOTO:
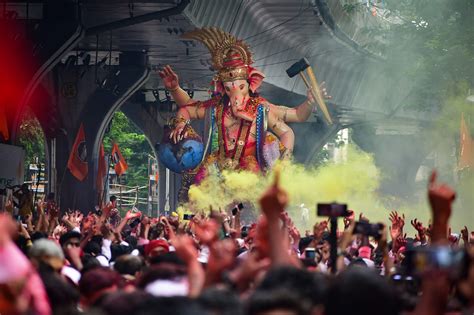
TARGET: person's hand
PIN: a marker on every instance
(185, 249)
(28, 218)
(168, 228)
(248, 270)
(396, 228)
(9, 206)
(395, 232)
(65, 217)
(88, 222)
(76, 218)
(441, 197)
(107, 209)
(295, 234)
(145, 221)
(347, 236)
(207, 231)
(132, 215)
(325, 252)
(274, 200)
(418, 226)
(319, 229)
(453, 238)
(22, 231)
(349, 219)
(58, 231)
(40, 206)
(53, 210)
(169, 77)
(363, 218)
(221, 256)
(465, 235)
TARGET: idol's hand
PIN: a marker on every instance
(178, 132)
(170, 78)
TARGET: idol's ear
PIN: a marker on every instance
(255, 79)
(218, 87)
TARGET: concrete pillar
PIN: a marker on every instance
(83, 99)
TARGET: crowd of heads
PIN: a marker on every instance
(72, 262)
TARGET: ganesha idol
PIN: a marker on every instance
(243, 130)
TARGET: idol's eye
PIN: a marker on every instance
(242, 86)
(227, 89)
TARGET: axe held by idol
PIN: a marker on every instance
(311, 83)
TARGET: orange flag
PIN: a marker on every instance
(101, 170)
(120, 164)
(466, 154)
(77, 163)
(4, 125)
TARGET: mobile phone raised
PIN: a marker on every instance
(332, 210)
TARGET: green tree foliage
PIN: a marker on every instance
(431, 43)
(435, 42)
(134, 147)
(31, 138)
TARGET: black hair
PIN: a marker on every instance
(221, 301)
(306, 285)
(304, 242)
(132, 241)
(63, 297)
(361, 291)
(89, 262)
(124, 303)
(93, 248)
(119, 250)
(164, 271)
(129, 264)
(264, 301)
(69, 235)
(178, 305)
(38, 235)
(113, 198)
(96, 280)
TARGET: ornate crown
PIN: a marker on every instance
(230, 56)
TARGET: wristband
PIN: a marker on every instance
(177, 120)
(173, 90)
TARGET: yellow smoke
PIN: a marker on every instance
(354, 182)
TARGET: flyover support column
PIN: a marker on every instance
(91, 101)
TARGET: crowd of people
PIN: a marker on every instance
(54, 262)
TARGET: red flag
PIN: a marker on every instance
(466, 154)
(77, 162)
(4, 125)
(101, 170)
(120, 164)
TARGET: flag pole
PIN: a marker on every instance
(106, 182)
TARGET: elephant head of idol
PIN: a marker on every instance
(232, 60)
(238, 81)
